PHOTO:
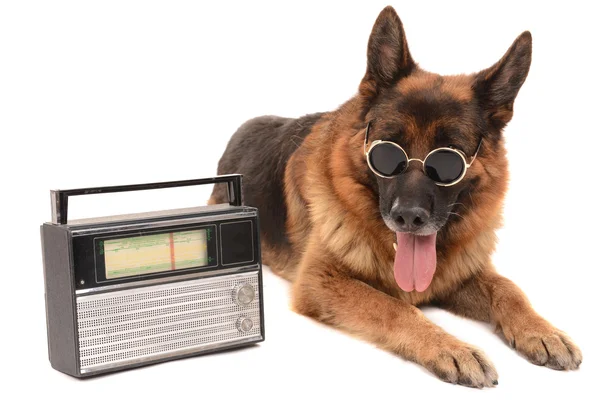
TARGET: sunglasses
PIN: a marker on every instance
(445, 166)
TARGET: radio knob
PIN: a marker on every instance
(244, 324)
(243, 294)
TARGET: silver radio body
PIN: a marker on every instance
(128, 291)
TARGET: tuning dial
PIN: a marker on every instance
(244, 324)
(243, 294)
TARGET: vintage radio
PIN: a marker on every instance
(132, 290)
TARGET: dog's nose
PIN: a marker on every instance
(409, 219)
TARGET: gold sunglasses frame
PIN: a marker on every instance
(462, 156)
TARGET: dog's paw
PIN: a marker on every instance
(550, 348)
(463, 365)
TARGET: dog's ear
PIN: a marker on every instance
(388, 58)
(497, 86)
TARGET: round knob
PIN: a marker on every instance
(243, 294)
(244, 324)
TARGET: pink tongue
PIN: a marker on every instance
(415, 261)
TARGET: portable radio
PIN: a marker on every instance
(131, 290)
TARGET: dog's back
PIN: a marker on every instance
(260, 150)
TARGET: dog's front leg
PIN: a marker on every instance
(494, 298)
(322, 291)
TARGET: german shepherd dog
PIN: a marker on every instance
(362, 249)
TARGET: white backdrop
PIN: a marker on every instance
(119, 92)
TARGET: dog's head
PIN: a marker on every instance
(422, 111)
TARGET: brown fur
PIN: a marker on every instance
(340, 252)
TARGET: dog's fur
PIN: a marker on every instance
(322, 210)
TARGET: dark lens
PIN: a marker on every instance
(387, 159)
(444, 166)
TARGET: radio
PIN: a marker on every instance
(137, 289)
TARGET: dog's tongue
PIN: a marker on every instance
(415, 261)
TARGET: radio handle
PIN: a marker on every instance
(60, 198)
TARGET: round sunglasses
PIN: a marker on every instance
(445, 166)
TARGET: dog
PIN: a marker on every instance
(368, 225)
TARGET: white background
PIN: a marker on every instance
(119, 92)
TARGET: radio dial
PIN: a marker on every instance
(244, 324)
(243, 294)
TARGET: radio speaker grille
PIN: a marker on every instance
(134, 325)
